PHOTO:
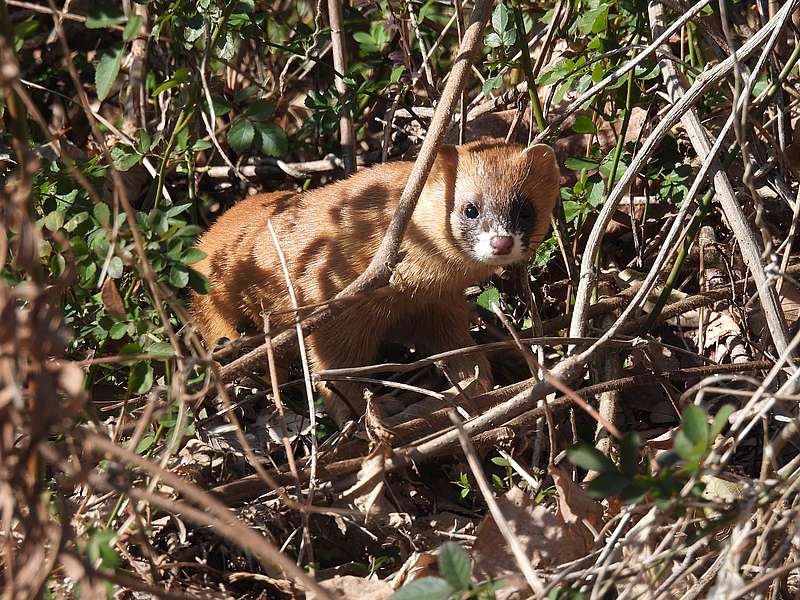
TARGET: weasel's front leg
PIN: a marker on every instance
(444, 326)
(350, 340)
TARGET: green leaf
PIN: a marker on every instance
(590, 458)
(694, 424)
(198, 282)
(500, 17)
(491, 83)
(132, 28)
(396, 74)
(125, 157)
(103, 14)
(179, 276)
(684, 447)
(192, 256)
(100, 549)
(629, 453)
(260, 110)
(455, 565)
(272, 139)
(118, 330)
(102, 213)
(720, 420)
(424, 588)
(609, 483)
(487, 297)
(576, 163)
(241, 134)
(54, 220)
(161, 350)
(140, 379)
(115, 267)
(107, 70)
(173, 211)
(493, 40)
(145, 443)
(584, 124)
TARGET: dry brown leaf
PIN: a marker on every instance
(544, 536)
(112, 301)
(350, 587)
(575, 505)
(367, 494)
(419, 564)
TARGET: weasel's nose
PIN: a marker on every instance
(501, 244)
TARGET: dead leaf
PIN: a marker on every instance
(350, 587)
(575, 505)
(544, 536)
(112, 301)
(419, 564)
(367, 494)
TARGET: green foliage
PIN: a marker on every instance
(456, 582)
(685, 461)
(464, 485)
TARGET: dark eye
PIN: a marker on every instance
(471, 211)
(525, 212)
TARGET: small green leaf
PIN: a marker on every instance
(118, 330)
(140, 379)
(487, 297)
(107, 71)
(455, 565)
(102, 213)
(584, 124)
(192, 256)
(609, 483)
(629, 453)
(198, 282)
(179, 276)
(424, 588)
(694, 424)
(115, 267)
(54, 220)
(161, 350)
(576, 163)
(260, 110)
(720, 420)
(491, 83)
(103, 14)
(145, 443)
(493, 40)
(590, 458)
(241, 134)
(500, 17)
(272, 139)
(132, 28)
(100, 549)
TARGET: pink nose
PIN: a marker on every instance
(501, 244)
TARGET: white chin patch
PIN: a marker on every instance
(485, 253)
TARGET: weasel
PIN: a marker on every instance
(485, 205)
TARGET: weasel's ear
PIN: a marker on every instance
(543, 176)
(541, 157)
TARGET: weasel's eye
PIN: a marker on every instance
(525, 212)
(471, 211)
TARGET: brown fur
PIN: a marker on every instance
(329, 236)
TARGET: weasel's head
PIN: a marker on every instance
(503, 198)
